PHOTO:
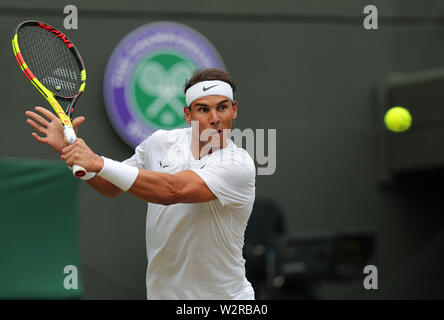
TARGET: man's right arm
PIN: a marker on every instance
(104, 187)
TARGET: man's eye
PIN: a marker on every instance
(222, 107)
(203, 109)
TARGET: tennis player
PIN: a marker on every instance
(199, 186)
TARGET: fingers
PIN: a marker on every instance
(77, 144)
(67, 156)
(42, 121)
(69, 152)
(68, 148)
(77, 122)
(46, 112)
(36, 126)
(79, 153)
(72, 152)
(38, 138)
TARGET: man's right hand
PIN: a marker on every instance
(50, 127)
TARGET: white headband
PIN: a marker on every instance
(208, 88)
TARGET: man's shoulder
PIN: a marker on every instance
(237, 155)
(170, 134)
(166, 137)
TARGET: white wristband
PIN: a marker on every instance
(119, 174)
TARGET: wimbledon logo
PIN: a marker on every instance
(146, 74)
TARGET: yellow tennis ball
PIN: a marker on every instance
(398, 119)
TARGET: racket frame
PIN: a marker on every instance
(64, 116)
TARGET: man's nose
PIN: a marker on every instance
(214, 117)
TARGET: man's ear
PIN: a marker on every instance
(234, 109)
(187, 113)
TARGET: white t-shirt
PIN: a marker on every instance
(195, 250)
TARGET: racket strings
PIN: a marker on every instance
(50, 60)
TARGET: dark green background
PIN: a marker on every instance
(38, 229)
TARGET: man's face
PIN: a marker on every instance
(214, 114)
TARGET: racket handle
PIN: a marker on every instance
(78, 171)
(70, 136)
(69, 133)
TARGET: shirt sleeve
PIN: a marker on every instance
(232, 182)
(140, 159)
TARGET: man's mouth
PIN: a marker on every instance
(217, 131)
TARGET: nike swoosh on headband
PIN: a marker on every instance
(205, 89)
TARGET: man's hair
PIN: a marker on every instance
(209, 74)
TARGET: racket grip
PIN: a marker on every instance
(70, 137)
(78, 171)
(69, 133)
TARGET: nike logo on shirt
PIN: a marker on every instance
(163, 165)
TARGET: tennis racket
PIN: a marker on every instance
(54, 66)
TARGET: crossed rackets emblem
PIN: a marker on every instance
(166, 86)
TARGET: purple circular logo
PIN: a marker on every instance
(146, 74)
